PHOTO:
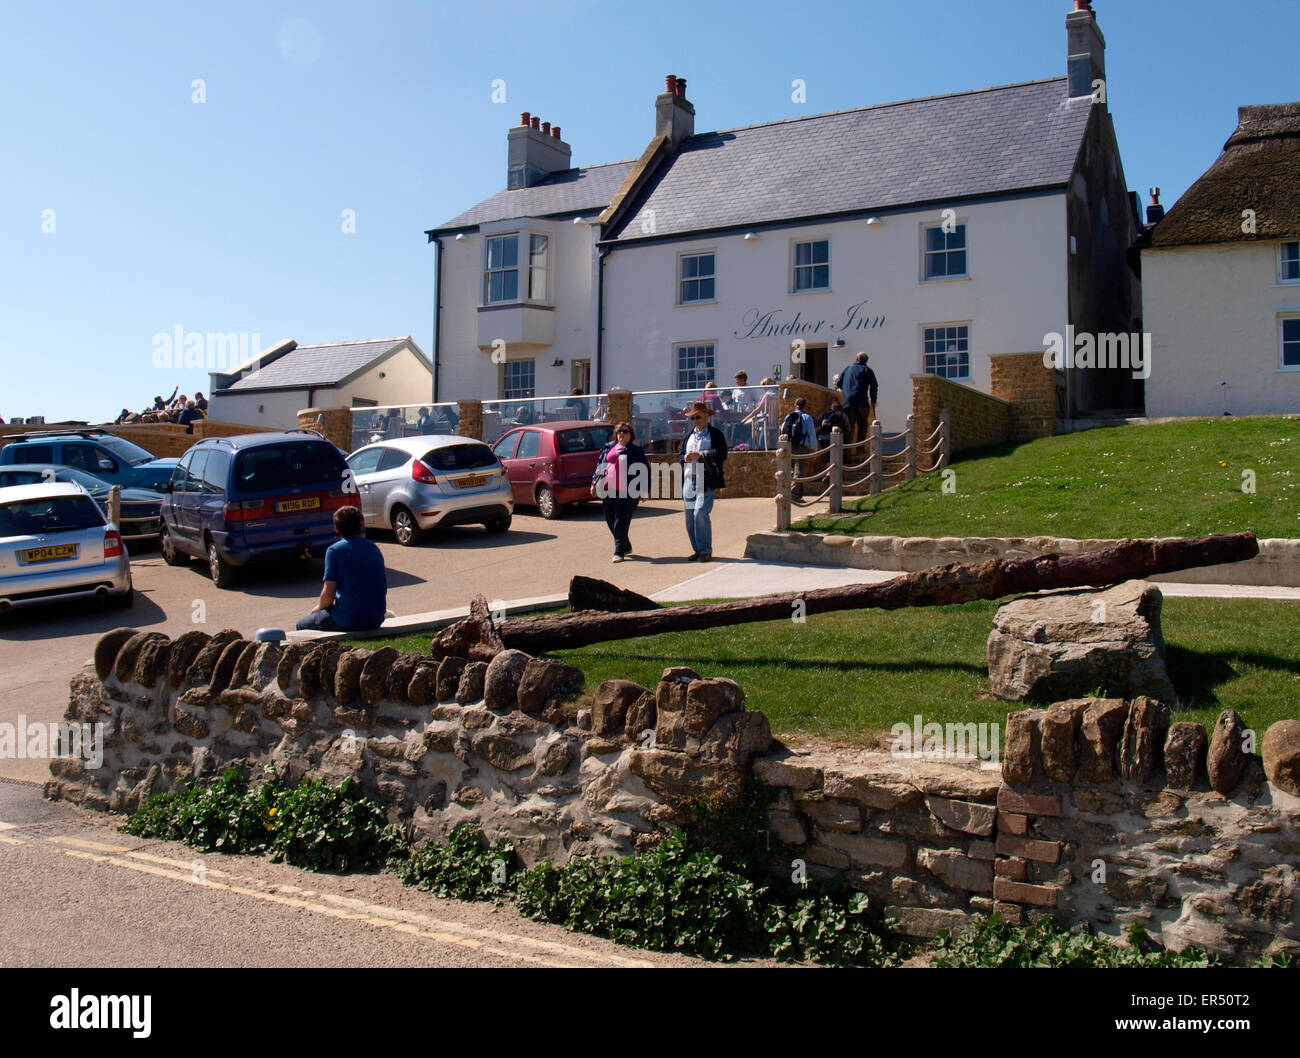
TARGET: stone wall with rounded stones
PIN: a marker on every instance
(440, 743)
(1116, 812)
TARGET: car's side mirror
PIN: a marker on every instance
(167, 486)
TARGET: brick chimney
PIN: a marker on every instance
(1086, 59)
(1155, 211)
(674, 116)
(534, 150)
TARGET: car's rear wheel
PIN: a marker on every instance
(546, 502)
(497, 525)
(406, 528)
(223, 573)
(171, 554)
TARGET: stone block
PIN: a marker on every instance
(1143, 739)
(1023, 893)
(1281, 753)
(1099, 736)
(789, 771)
(1184, 755)
(956, 870)
(610, 704)
(1226, 759)
(1028, 804)
(1029, 848)
(966, 816)
(1014, 868)
(868, 851)
(1060, 737)
(1023, 746)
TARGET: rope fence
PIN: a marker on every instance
(790, 482)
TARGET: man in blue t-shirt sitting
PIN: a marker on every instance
(356, 587)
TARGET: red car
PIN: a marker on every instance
(552, 463)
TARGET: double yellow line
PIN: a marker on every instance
(512, 946)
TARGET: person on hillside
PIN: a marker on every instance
(703, 453)
(860, 392)
(355, 590)
(618, 486)
(126, 414)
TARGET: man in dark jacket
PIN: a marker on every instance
(860, 391)
(704, 450)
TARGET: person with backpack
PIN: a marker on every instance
(802, 431)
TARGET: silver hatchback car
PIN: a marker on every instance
(56, 544)
(410, 484)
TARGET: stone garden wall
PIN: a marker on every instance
(1103, 811)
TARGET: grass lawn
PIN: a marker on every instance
(853, 675)
(1170, 479)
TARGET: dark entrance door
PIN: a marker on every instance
(813, 369)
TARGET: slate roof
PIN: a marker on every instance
(1259, 170)
(317, 365)
(938, 149)
(570, 191)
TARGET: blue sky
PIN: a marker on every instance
(227, 215)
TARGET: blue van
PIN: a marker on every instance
(253, 498)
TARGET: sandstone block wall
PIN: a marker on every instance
(977, 419)
(914, 835)
(1029, 388)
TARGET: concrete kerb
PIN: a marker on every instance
(1277, 565)
(431, 620)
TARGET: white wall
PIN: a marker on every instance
(1212, 312)
(466, 369)
(1016, 293)
(406, 381)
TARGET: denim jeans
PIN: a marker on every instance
(319, 621)
(699, 506)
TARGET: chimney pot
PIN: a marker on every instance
(536, 124)
(524, 118)
(1155, 196)
(681, 87)
(670, 84)
(1084, 5)
(546, 128)
(555, 131)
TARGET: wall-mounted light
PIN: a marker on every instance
(382, 375)
(840, 343)
(872, 222)
(557, 362)
(461, 237)
(750, 237)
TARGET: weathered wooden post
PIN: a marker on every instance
(783, 476)
(909, 465)
(945, 440)
(876, 468)
(115, 506)
(837, 471)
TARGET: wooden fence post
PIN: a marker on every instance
(944, 456)
(909, 453)
(876, 468)
(783, 475)
(837, 471)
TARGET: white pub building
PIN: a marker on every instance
(931, 234)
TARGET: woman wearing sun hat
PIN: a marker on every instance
(704, 450)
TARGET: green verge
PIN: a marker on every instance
(1167, 479)
(852, 675)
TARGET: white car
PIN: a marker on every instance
(55, 543)
(410, 484)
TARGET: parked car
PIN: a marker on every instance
(551, 464)
(412, 484)
(113, 459)
(55, 543)
(140, 517)
(253, 498)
